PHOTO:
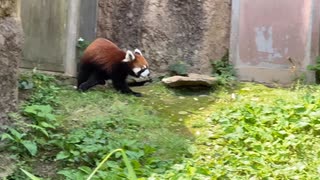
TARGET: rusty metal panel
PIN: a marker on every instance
(265, 34)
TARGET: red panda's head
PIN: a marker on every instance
(137, 63)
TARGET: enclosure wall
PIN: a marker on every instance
(274, 41)
(11, 40)
(44, 23)
(167, 31)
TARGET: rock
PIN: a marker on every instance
(190, 80)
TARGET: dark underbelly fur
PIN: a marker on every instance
(91, 75)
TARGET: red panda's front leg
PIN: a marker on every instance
(118, 76)
(121, 86)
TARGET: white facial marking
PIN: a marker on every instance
(136, 70)
(129, 57)
(145, 73)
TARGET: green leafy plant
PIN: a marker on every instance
(316, 68)
(87, 146)
(19, 143)
(263, 131)
(223, 70)
(43, 86)
(131, 173)
(31, 176)
(42, 115)
(82, 44)
(247, 131)
(179, 68)
(73, 131)
(255, 133)
(42, 120)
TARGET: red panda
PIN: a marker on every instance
(103, 60)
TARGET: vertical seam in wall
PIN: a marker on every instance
(307, 58)
(315, 29)
(316, 11)
(234, 37)
(96, 20)
(71, 37)
(308, 49)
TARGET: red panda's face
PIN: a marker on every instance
(138, 63)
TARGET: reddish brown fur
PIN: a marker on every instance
(138, 62)
(103, 52)
(103, 60)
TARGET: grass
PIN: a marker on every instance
(248, 132)
(83, 127)
(80, 109)
(260, 133)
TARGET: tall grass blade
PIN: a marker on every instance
(31, 176)
(131, 173)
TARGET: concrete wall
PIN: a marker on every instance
(51, 30)
(195, 32)
(10, 54)
(88, 19)
(168, 31)
(265, 34)
(44, 23)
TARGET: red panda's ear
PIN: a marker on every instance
(129, 57)
(137, 51)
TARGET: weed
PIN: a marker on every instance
(260, 133)
(81, 46)
(69, 174)
(179, 68)
(299, 79)
(31, 176)
(28, 136)
(131, 173)
(19, 143)
(223, 70)
(257, 133)
(316, 68)
(43, 87)
(77, 133)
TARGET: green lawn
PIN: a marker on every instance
(247, 132)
